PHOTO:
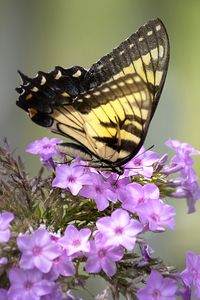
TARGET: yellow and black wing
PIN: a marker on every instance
(107, 109)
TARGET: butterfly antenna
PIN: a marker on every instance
(151, 147)
(139, 156)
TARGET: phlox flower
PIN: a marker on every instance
(75, 240)
(157, 215)
(158, 288)
(38, 250)
(27, 285)
(99, 190)
(191, 275)
(119, 229)
(117, 186)
(185, 293)
(45, 148)
(188, 187)
(146, 252)
(137, 195)
(183, 152)
(72, 177)
(3, 261)
(142, 163)
(58, 294)
(5, 219)
(188, 190)
(62, 265)
(102, 257)
(3, 294)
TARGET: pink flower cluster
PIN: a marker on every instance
(46, 256)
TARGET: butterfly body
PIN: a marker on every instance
(106, 110)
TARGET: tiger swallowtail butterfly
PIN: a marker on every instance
(104, 111)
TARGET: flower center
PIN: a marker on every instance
(56, 260)
(47, 146)
(37, 250)
(155, 217)
(137, 162)
(71, 178)
(194, 273)
(76, 243)
(156, 294)
(28, 285)
(102, 253)
(98, 189)
(118, 230)
(141, 200)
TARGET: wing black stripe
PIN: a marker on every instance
(114, 81)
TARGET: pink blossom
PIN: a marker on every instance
(75, 240)
(72, 177)
(158, 288)
(27, 285)
(191, 275)
(142, 163)
(157, 215)
(62, 265)
(118, 186)
(3, 294)
(137, 195)
(119, 229)
(102, 257)
(38, 250)
(45, 148)
(5, 219)
(99, 190)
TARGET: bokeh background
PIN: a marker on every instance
(37, 35)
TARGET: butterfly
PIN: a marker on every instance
(104, 111)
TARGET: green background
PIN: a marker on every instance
(37, 35)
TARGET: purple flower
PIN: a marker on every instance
(191, 275)
(185, 293)
(147, 252)
(157, 215)
(158, 288)
(62, 265)
(99, 190)
(71, 177)
(38, 250)
(117, 186)
(102, 257)
(142, 163)
(3, 261)
(188, 187)
(27, 285)
(3, 294)
(75, 241)
(45, 148)
(56, 293)
(119, 229)
(190, 191)
(138, 195)
(5, 219)
(183, 151)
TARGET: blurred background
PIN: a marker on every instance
(37, 35)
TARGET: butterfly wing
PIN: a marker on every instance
(115, 100)
(145, 53)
